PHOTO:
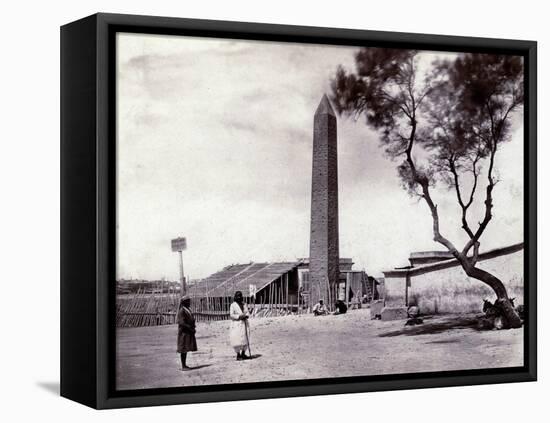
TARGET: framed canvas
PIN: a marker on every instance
(258, 211)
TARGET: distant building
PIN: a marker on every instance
(425, 257)
(132, 286)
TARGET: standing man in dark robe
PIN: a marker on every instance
(186, 331)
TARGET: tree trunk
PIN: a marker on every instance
(503, 302)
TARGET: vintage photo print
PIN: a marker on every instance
(290, 211)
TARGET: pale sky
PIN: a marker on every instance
(214, 143)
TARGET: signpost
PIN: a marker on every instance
(178, 245)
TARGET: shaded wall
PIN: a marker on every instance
(279, 286)
(444, 287)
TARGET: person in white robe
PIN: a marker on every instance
(239, 330)
(320, 309)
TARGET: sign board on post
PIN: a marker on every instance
(179, 244)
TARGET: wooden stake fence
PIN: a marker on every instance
(160, 306)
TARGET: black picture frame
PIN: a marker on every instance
(88, 209)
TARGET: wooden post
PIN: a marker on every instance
(182, 276)
(278, 300)
(226, 300)
(271, 292)
(329, 294)
(286, 283)
(277, 297)
(281, 295)
(347, 289)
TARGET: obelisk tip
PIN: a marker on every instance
(325, 108)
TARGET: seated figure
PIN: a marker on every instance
(320, 309)
(341, 307)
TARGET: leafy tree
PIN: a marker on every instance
(444, 126)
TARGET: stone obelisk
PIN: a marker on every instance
(323, 248)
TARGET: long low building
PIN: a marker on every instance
(279, 283)
(253, 279)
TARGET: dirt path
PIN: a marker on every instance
(298, 347)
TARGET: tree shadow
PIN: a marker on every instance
(51, 387)
(444, 341)
(440, 326)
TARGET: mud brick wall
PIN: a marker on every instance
(444, 287)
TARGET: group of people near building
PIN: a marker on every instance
(239, 330)
(320, 309)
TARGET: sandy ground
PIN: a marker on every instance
(298, 347)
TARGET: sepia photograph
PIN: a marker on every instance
(296, 211)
